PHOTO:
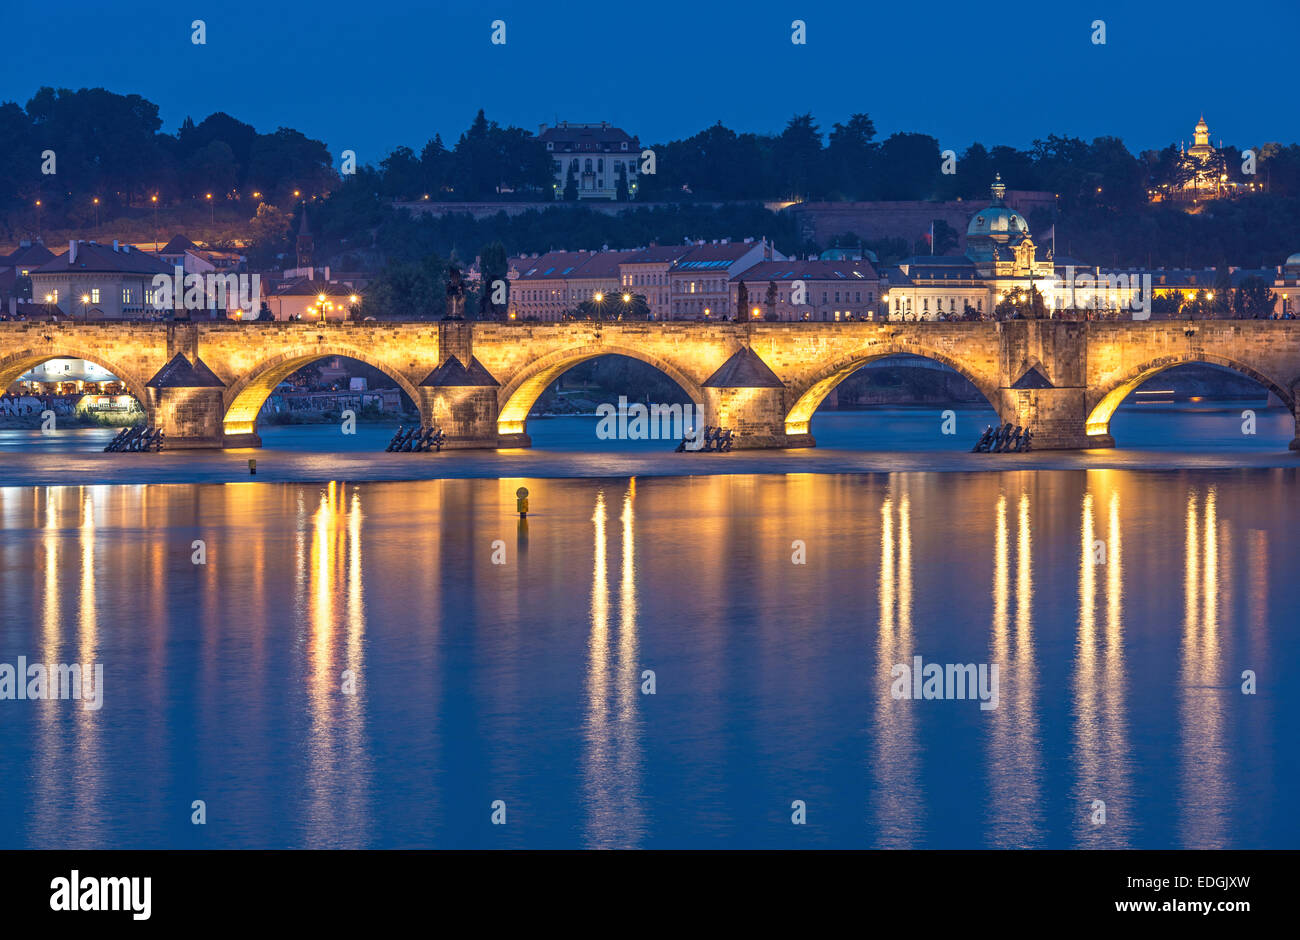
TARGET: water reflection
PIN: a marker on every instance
(338, 760)
(476, 681)
(898, 800)
(1100, 728)
(1015, 817)
(1205, 794)
(612, 758)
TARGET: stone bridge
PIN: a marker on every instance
(205, 383)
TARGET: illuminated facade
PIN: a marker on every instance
(594, 156)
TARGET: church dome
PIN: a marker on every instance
(1293, 261)
(998, 221)
(1004, 225)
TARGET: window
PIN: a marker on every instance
(126, 296)
(149, 297)
(94, 295)
(54, 295)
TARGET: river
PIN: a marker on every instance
(376, 663)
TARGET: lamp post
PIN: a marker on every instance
(320, 302)
(599, 298)
(38, 218)
(154, 200)
(211, 211)
(85, 307)
(96, 200)
(353, 300)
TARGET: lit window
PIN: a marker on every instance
(94, 295)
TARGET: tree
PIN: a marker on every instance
(1021, 303)
(907, 167)
(571, 183)
(493, 266)
(850, 155)
(797, 159)
(1254, 299)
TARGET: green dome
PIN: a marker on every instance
(1293, 261)
(998, 221)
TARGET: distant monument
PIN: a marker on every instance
(455, 294)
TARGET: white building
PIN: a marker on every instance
(594, 156)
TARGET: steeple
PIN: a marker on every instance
(305, 244)
(998, 189)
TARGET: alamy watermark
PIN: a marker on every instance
(181, 291)
(638, 422)
(1108, 290)
(57, 681)
(946, 681)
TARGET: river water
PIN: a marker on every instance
(351, 666)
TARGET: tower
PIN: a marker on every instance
(304, 242)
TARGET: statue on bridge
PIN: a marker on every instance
(455, 294)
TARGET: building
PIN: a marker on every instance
(1287, 287)
(95, 281)
(552, 285)
(827, 291)
(541, 291)
(699, 282)
(15, 273)
(1000, 257)
(302, 298)
(1200, 172)
(183, 253)
(593, 157)
(599, 279)
(646, 273)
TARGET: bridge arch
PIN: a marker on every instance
(809, 395)
(1102, 403)
(244, 399)
(516, 399)
(15, 364)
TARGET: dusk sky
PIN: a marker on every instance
(371, 76)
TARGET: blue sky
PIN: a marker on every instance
(369, 76)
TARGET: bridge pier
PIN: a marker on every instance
(746, 396)
(460, 396)
(1044, 382)
(186, 402)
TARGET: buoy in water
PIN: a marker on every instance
(521, 501)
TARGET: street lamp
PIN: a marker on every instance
(211, 210)
(38, 218)
(320, 300)
(85, 307)
(154, 200)
(96, 200)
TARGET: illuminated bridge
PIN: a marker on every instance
(204, 383)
